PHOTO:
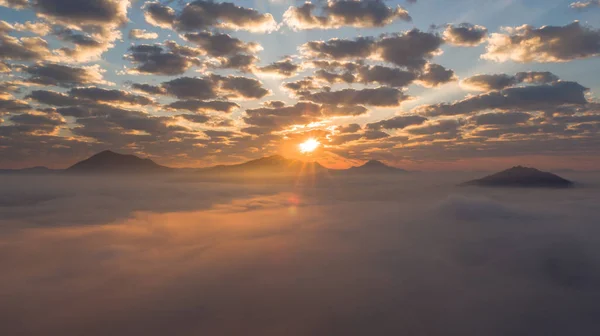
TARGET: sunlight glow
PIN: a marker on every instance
(309, 146)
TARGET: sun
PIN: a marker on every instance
(309, 146)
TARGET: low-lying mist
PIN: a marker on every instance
(410, 254)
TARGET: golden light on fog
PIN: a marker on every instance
(309, 146)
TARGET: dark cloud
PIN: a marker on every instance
(203, 15)
(204, 106)
(150, 89)
(508, 118)
(155, 59)
(32, 124)
(52, 98)
(435, 75)
(158, 14)
(83, 12)
(24, 48)
(12, 105)
(111, 96)
(277, 117)
(351, 128)
(191, 88)
(215, 86)
(534, 97)
(546, 44)
(216, 44)
(240, 87)
(63, 75)
(488, 82)
(397, 122)
(195, 118)
(285, 68)
(465, 34)
(85, 46)
(340, 13)
(410, 49)
(382, 96)
(450, 127)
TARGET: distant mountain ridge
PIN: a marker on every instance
(110, 162)
(274, 164)
(520, 176)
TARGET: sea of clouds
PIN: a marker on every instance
(402, 255)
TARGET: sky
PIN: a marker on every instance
(429, 85)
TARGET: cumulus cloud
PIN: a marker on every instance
(284, 68)
(487, 82)
(381, 96)
(214, 86)
(340, 13)
(16, 4)
(160, 60)
(535, 97)
(203, 15)
(204, 106)
(585, 4)
(411, 49)
(508, 118)
(142, 34)
(64, 75)
(546, 44)
(465, 34)
(104, 95)
(397, 122)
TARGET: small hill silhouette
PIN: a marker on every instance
(110, 162)
(522, 177)
(375, 167)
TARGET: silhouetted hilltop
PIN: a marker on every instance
(275, 164)
(375, 167)
(522, 177)
(30, 171)
(111, 162)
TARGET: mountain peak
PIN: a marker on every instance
(108, 161)
(374, 163)
(520, 176)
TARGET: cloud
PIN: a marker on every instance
(508, 118)
(227, 51)
(24, 48)
(142, 34)
(527, 44)
(275, 117)
(488, 82)
(103, 95)
(35, 123)
(535, 97)
(585, 4)
(204, 106)
(397, 122)
(436, 75)
(150, 89)
(284, 68)
(16, 4)
(465, 34)
(341, 13)
(215, 86)
(203, 15)
(216, 44)
(409, 49)
(381, 96)
(158, 60)
(64, 75)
